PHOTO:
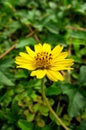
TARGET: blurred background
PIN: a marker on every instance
(27, 22)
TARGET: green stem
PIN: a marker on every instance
(50, 108)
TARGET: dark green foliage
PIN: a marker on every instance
(25, 23)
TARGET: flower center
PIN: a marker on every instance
(43, 60)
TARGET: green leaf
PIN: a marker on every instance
(20, 74)
(41, 123)
(24, 125)
(5, 80)
(26, 41)
(76, 100)
(7, 97)
(30, 117)
(53, 90)
(12, 27)
(76, 105)
(48, 127)
(6, 63)
(2, 115)
(78, 35)
(82, 125)
(43, 110)
(36, 107)
(52, 27)
(82, 76)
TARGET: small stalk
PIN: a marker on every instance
(50, 108)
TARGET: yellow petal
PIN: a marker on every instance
(24, 59)
(24, 63)
(27, 66)
(30, 52)
(61, 56)
(38, 48)
(56, 51)
(46, 47)
(65, 62)
(38, 73)
(25, 56)
(58, 68)
(54, 76)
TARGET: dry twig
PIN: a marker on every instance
(6, 52)
(35, 35)
(76, 28)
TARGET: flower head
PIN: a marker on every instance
(44, 61)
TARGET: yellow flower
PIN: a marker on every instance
(44, 61)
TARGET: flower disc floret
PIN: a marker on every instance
(43, 60)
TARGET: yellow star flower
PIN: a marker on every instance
(44, 61)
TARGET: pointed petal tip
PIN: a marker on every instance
(38, 73)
